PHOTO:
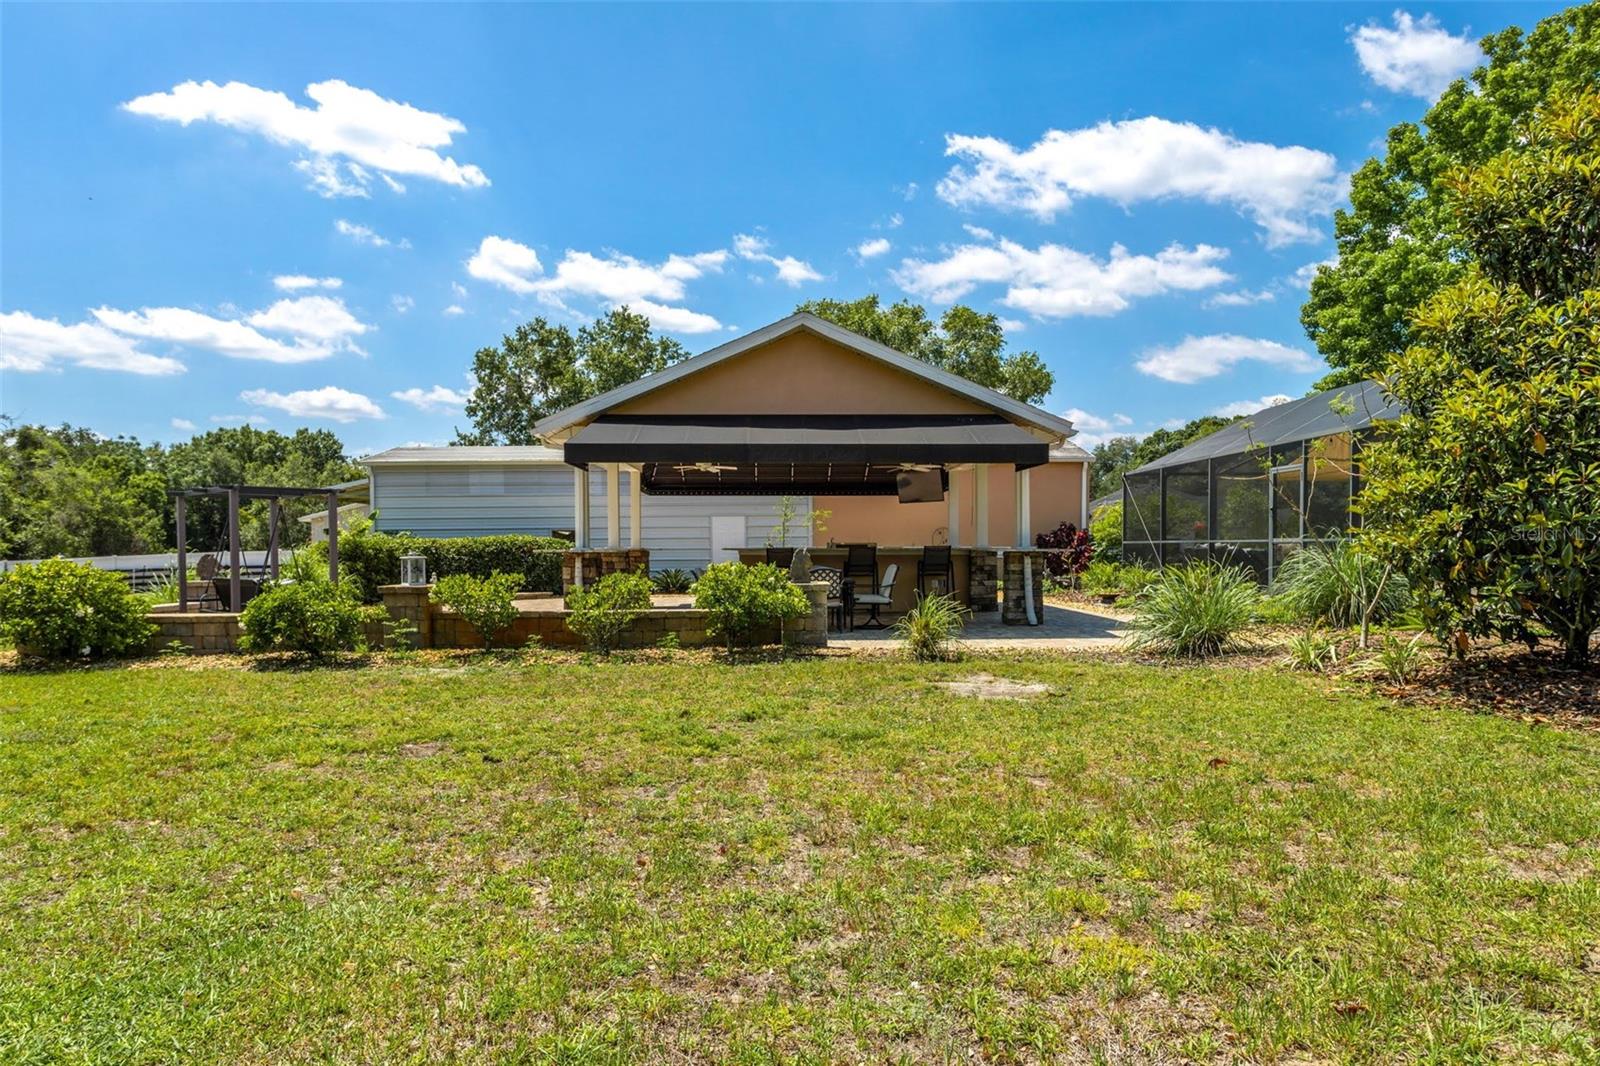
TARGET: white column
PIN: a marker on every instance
(580, 507)
(636, 507)
(980, 488)
(1024, 509)
(952, 499)
(1083, 507)
(613, 506)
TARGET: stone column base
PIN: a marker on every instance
(410, 602)
(588, 565)
(1015, 608)
(983, 579)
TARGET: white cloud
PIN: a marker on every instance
(1053, 281)
(896, 220)
(365, 235)
(1303, 276)
(1250, 407)
(1197, 358)
(459, 290)
(615, 278)
(1013, 325)
(1417, 56)
(1241, 298)
(241, 420)
(183, 425)
(296, 282)
(33, 344)
(316, 327)
(872, 248)
(1095, 429)
(455, 309)
(1281, 188)
(791, 271)
(434, 400)
(401, 304)
(329, 402)
(349, 131)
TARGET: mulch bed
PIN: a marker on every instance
(1505, 679)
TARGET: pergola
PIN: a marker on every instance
(235, 494)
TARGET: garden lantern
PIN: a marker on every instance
(413, 570)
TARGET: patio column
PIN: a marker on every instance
(1083, 504)
(333, 537)
(613, 506)
(233, 549)
(636, 507)
(980, 488)
(952, 499)
(1024, 508)
(580, 508)
(180, 516)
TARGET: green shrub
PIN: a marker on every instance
(316, 619)
(931, 628)
(1195, 610)
(742, 600)
(673, 580)
(62, 610)
(369, 559)
(1105, 576)
(1400, 659)
(1105, 532)
(1334, 583)
(1313, 650)
(601, 612)
(489, 603)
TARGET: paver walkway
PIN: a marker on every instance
(1063, 629)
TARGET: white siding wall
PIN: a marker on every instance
(466, 501)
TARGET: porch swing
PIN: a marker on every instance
(232, 592)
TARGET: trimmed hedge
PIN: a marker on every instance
(369, 560)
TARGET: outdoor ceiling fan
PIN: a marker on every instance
(704, 468)
(906, 468)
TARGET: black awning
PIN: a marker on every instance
(755, 440)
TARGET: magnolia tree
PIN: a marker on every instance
(1487, 491)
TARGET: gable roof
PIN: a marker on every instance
(801, 320)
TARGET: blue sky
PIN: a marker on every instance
(307, 215)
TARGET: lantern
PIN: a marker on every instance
(413, 570)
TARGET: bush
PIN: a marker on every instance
(1104, 576)
(1074, 551)
(1105, 532)
(1313, 650)
(601, 612)
(742, 600)
(1195, 611)
(62, 610)
(931, 627)
(369, 559)
(1334, 583)
(316, 619)
(1400, 659)
(673, 580)
(489, 603)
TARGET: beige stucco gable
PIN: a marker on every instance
(800, 373)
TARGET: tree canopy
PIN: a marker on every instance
(68, 491)
(541, 368)
(1117, 456)
(1487, 490)
(964, 341)
(1399, 242)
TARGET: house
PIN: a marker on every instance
(357, 507)
(893, 450)
(1256, 490)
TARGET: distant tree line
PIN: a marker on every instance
(68, 491)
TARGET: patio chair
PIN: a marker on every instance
(878, 599)
(783, 557)
(841, 602)
(935, 563)
(206, 569)
(248, 587)
(861, 565)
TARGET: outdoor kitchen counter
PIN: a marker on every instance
(905, 584)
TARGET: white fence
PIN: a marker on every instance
(143, 571)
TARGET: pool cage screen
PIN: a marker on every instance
(1252, 509)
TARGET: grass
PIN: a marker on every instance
(810, 860)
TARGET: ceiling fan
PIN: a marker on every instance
(906, 468)
(704, 468)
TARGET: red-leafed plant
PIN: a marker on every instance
(1072, 545)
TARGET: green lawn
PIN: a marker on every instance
(808, 860)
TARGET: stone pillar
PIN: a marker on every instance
(810, 631)
(411, 603)
(983, 579)
(586, 567)
(1015, 607)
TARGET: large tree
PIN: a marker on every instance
(963, 341)
(1487, 490)
(1399, 242)
(66, 491)
(1117, 456)
(541, 368)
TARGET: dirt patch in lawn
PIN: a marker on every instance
(989, 687)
